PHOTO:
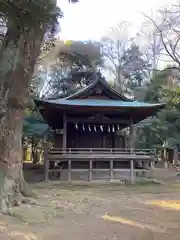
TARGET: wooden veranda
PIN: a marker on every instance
(91, 156)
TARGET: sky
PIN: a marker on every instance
(91, 19)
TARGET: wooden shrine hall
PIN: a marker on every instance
(93, 130)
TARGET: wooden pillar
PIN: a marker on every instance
(90, 170)
(111, 170)
(104, 140)
(69, 170)
(46, 160)
(152, 164)
(64, 144)
(132, 172)
(126, 141)
(131, 146)
(64, 133)
(131, 136)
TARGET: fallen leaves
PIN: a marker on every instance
(17, 234)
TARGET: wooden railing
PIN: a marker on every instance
(96, 153)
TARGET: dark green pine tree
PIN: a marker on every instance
(135, 67)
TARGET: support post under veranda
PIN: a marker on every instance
(131, 145)
(64, 145)
(46, 160)
(64, 134)
(90, 171)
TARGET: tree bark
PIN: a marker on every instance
(17, 61)
(10, 158)
(12, 183)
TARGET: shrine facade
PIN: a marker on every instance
(94, 123)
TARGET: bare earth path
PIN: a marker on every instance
(69, 212)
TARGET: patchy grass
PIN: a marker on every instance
(36, 214)
(96, 212)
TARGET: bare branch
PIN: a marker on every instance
(169, 30)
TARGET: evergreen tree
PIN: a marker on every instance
(26, 25)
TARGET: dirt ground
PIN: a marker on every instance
(96, 212)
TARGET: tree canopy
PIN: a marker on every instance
(65, 68)
(164, 128)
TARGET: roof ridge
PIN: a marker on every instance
(82, 90)
(103, 81)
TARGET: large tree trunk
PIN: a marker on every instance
(17, 61)
(12, 183)
(10, 158)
